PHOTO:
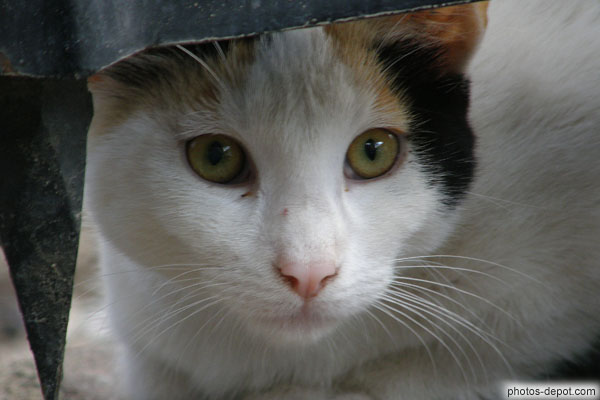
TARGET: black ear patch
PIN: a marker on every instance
(440, 135)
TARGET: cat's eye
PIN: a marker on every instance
(216, 158)
(373, 153)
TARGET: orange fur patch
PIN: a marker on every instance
(96, 78)
(458, 29)
(351, 42)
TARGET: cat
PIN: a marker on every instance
(402, 207)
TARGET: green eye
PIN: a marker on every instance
(216, 158)
(373, 153)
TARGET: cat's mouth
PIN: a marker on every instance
(307, 324)
(303, 318)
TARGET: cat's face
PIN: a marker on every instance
(290, 171)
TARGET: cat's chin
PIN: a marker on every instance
(299, 329)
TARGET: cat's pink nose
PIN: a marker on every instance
(307, 280)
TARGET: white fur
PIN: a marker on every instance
(534, 208)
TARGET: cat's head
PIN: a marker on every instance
(291, 169)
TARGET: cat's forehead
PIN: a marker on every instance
(299, 79)
(299, 86)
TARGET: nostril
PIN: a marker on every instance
(327, 279)
(319, 285)
(290, 280)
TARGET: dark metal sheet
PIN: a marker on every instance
(71, 38)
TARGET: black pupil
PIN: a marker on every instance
(371, 148)
(215, 153)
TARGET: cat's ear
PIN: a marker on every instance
(450, 34)
(431, 42)
(456, 29)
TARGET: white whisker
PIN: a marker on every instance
(455, 269)
(449, 298)
(162, 332)
(204, 65)
(171, 311)
(412, 330)
(474, 259)
(417, 310)
(461, 321)
(464, 292)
